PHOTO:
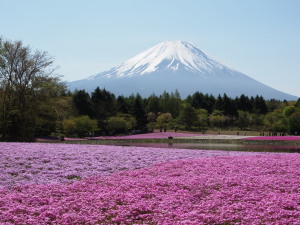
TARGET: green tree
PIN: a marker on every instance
(260, 105)
(129, 119)
(26, 77)
(275, 121)
(217, 119)
(85, 126)
(153, 104)
(104, 106)
(117, 124)
(151, 117)
(82, 102)
(297, 105)
(122, 106)
(164, 120)
(294, 125)
(244, 119)
(139, 113)
(288, 111)
(69, 127)
(188, 117)
(244, 104)
(202, 118)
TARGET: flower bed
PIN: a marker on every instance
(41, 163)
(275, 138)
(259, 189)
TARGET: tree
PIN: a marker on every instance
(104, 106)
(291, 114)
(219, 103)
(117, 124)
(153, 104)
(202, 118)
(82, 102)
(294, 126)
(197, 99)
(188, 117)
(139, 113)
(244, 119)
(151, 117)
(217, 119)
(260, 105)
(228, 107)
(164, 120)
(297, 105)
(122, 106)
(131, 121)
(26, 77)
(288, 111)
(69, 127)
(85, 126)
(165, 101)
(275, 121)
(244, 104)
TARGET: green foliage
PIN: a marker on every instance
(288, 111)
(275, 121)
(151, 117)
(139, 113)
(117, 124)
(27, 91)
(297, 105)
(82, 102)
(294, 122)
(122, 106)
(131, 121)
(188, 117)
(293, 116)
(103, 105)
(202, 118)
(69, 127)
(85, 126)
(260, 106)
(164, 120)
(243, 119)
(217, 119)
(153, 104)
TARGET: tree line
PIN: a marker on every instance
(198, 112)
(35, 102)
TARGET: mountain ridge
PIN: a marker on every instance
(180, 65)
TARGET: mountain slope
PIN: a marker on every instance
(175, 65)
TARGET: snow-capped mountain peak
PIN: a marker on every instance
(168, 55)
(179, 65)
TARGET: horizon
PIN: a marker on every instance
(259, 39)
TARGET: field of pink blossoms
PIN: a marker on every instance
(89, 184)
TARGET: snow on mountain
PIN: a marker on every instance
(168, 55)
(173, 65)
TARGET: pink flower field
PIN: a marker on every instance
(275, 138)
(41, 163)
(90, 184)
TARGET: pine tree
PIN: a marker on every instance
(139, 113)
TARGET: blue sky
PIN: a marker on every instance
(260, 38)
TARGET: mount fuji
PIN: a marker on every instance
(179, 65)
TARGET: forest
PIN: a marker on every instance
(35, 102)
